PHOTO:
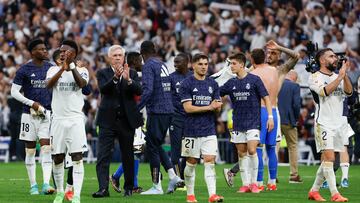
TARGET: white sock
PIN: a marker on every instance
(319, 179)
(329, 174)
(68, 188)
(210, 178)
(253, 167)
(31, 165)
(46, 162)
(171, 173)
(58, 171)
(189, 176)
(344, 170)
(272, 181)
(244, 170)
(78, 176)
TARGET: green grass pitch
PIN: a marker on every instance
(14, 187)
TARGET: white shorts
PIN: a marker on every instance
(278, 130)
(327, 138)
(196, 146)
(33, 128)
(68, 135)
(238, 137)
(347, 132)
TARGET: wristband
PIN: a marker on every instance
(72, 66)
(270, 116)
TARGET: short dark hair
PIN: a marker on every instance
(258, 55)
(240, 57)
(56, 55)
(199, 56)
(320, 54)
(183, 55)
(131, 57)
(147, 47)
(33, 43)
(72, 44)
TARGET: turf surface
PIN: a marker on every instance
(14, 187)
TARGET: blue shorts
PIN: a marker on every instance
(268, 138)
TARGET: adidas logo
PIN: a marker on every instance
(33, 75)
(164, 71)
(195, 90)
(84, 146)
(178, 83)
(234, 88)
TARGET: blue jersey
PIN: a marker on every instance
(245, 95)
(175, 79)
(156, 86)
(32, 78)
(200, 93)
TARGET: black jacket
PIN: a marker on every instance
(113, 95)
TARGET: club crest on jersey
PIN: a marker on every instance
(247, 86)
(210, 90)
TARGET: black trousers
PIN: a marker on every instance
(176, 134)
(125, 134)
(157, 126)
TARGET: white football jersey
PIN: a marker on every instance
(67, 97)
(328, 108)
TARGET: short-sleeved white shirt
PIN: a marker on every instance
(328, 108)
(67, 97)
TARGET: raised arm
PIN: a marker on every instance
(51, 79)
(106, 85)
(290, 63)
(80, 81)
(132, 81)
(347, 83)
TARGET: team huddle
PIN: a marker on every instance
(185, 103)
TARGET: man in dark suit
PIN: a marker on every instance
(289, 108)
(118, 117)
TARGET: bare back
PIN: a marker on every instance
(270, 77)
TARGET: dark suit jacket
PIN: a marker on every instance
(289, 102)
(113, 94)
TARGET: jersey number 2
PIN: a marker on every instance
(324, 135)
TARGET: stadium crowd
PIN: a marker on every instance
(216, 28)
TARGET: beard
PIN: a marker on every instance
(331, 67)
